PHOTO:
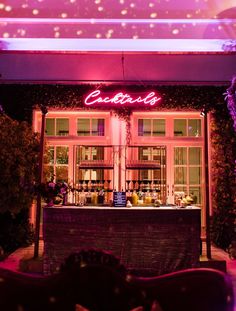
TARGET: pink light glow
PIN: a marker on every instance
(121, 98)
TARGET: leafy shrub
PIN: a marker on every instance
(18, 166)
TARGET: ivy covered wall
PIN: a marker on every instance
(18, 100)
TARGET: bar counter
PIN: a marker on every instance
(148, 240)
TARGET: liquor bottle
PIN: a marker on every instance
(82, 198)
(95, 198)
(89, 197)
(101, 197)
(134, 198)
(148, 198)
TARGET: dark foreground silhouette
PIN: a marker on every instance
(96, 281)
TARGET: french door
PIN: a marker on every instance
(185, 173)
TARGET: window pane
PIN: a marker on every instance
(195, 175)
(62, 173)
(180, 156)
(49, 158)
(157, 174)
(92, 175)
(195, 193)
(181, 189)
(83, 153)
(144, 127)
(98, 127)
(194, 127)
(50, 127)
(156, 155)
(62, 126)
(140, 127)
(180, 127)
(62, 155)
(97, 153)
(159, 127)
(180, 175)
(144, 153)
(195, 156)
(83, 127)
(144, 175)
(48, 173)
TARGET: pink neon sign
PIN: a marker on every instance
(121, 98)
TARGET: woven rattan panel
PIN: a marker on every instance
(147, 241)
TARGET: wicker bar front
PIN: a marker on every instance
(148, 241)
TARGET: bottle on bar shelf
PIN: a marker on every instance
(154, 196)
(101, 197)
(148, 198)
(89, 197)
(94, 198)
(129, 197)
(134, 198)
(140, 197)
(82, 198)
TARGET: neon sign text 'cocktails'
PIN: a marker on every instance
(121, 98)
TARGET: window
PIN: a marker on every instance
(180, 126)
(194, 127)
(88, 153)
(57, 163)
(58, 127)
(188, 171)
(151, 127)
(62, 127)
(90, 127)
(157, 155)
(83, 127)
(159, 127)
(187, 127)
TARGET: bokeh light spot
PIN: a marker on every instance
(64, 15)
(35, 12)
(175, 31)
(153, 15)
(124, 12)
(8, 8)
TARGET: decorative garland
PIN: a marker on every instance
(125, 114)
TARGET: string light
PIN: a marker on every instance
(122, 10)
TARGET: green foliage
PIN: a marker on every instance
(223, 155)
(15, 230)
(18, 164)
